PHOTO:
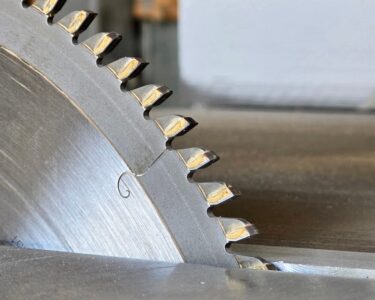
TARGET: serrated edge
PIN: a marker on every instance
(149, 96)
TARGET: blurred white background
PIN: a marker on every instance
(291, 52)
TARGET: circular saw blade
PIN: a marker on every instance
(83, 167)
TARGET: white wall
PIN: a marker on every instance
(312, 52)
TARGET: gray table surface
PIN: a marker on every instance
(31, 274)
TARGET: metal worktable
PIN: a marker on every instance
(30, 274)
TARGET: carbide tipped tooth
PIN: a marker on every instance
(197, 158)
(151, 95)
(77, 21)
(102, 43)
(48, 7)
(127, 68)
(217, 192)
(237, 229)
(173, 126)
(253, 263)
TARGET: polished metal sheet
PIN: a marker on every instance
(30, 274)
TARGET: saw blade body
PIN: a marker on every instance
(83, 168)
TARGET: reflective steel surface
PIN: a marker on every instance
(72, 202)
(59, 178)
(32, 275)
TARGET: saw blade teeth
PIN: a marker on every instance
(102, 43)
(77, 21)
(48, 7)
(173, 126)
(151, 95)
(217, 192)
(197, 158)
(127, 68)
(237, 229)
